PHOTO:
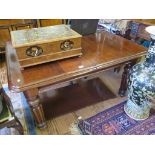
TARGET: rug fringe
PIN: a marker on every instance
(74, 129)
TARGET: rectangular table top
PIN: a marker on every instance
(100, 51)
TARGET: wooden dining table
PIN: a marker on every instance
(100, 51)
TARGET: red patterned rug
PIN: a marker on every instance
(114, 121)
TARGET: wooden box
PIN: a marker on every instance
(45, 44)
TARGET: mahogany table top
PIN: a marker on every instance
(100, 51)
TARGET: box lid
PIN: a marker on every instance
(29, 37)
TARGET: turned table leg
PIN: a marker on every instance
(123, 86)
(32, 97)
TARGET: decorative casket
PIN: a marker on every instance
(45, 44)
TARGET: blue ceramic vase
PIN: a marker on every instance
(141, 84)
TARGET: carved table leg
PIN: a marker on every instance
(123, 86)
(32, 97)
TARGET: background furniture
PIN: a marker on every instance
(7, 25)
(50, 22)
(138, 31)
(133, 29)
(101, 51)
(84, 26)
(145, 21)
(116, 26)
(7, 116)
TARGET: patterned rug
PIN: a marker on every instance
(23, 113)
(114, 121)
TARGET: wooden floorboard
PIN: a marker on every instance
(73, 97)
